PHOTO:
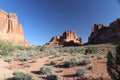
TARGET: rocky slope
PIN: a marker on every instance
(69, 38)
(10, 29)
(103, 34)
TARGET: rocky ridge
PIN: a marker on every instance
(103, 34)
(69, 38)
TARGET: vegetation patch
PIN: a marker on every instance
(52, 77)
(71, 62)
(91, 50)
(47, 70)
(21, 76)
(53, 62)
(81, 72)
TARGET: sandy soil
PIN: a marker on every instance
(5, 70)
(98, 71)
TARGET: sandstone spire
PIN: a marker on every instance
(10, 29)
(69, 38)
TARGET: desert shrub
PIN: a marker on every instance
(52, 77)
(25, 64)
(47, 70)
(71, 62)
(81, 72)
(85, 62)
(53, 62)
(42, 48)
(90, 67)
(62, 59)
(21, 76)
(67, 64)
(65, 51)
(8, 59)
(6, 47)
(64, 54)
(20, 48)
(23, 48)
(73, 50)
(26, 55)
(24, 58)
(61, 69)
(99, 57)
(91, 50)
(80, 51)
(57, 55)
(92, 55)
(113, 64)
(50, 50)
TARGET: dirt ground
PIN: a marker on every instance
(5, 71)
(98, 71)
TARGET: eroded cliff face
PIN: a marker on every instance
(69, 38)
(10, 29)
(103, 34)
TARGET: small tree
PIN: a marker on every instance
(113, 64)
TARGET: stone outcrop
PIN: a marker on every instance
(69, 38)
(10, 29)
(103, 34)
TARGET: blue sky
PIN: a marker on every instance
(43, 19)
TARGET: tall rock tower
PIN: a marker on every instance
(10, 29)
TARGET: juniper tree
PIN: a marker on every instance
(113, 64)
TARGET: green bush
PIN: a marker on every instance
(48, 70)
(24, 57)
(20, 48)
(53, 62)
(8, 59)
(81, 72)
(91, 50)
(21, 76)
(99, 57)
(6, 47)
(113, 64)
(25, 64)
(52, 77)
(90, 67)
(57, 55)
(71, 62)
(42, 48)
(23, 48)
(67, 64)
(85, 62)
(61, 69)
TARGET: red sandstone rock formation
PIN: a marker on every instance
(10, 29)
(102, 34)
(69, 38)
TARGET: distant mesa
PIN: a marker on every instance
(10, 29)
(69, 38)
(103, 34)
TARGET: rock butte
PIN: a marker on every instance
(103, 34)
(69, 38)
(10, 29)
